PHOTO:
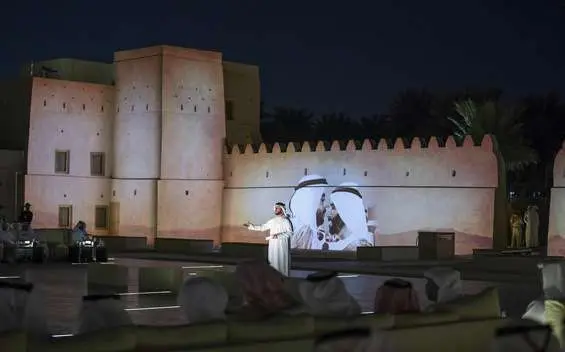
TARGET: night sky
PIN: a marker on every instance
(323, 55)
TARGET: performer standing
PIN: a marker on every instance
(280, 230)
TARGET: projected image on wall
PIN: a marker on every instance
(329, 219)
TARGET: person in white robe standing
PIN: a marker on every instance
(531, 219)
(280, 231)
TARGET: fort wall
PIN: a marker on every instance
(193, 135)
(556, 231)
(75, 118)
(406, 189)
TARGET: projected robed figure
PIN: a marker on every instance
(340, 225)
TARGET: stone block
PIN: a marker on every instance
(107, 278)
(244, 250)
(153, 279)
(58, 236)
(124, 243)
(183, 246)
(387, 253)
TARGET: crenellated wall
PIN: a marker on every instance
(556, 231)
(406, 189)
(75, 117)
(163, 128)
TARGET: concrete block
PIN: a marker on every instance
(107, 278)
(387, 253)
(183, 246)
(59, 236)
(244, 250)
(124, 243)
(160, 279)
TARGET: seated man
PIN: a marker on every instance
(99, 312)
(325, 295)
(79, 233)
(202, 300)
(443, 285)
(396, 296)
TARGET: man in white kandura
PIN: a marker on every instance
(280, 230)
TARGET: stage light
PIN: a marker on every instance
(141, 309)
(145, 293)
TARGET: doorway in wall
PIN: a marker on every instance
(114, 218)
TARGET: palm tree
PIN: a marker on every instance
(292, 125)
(502, 122)
(332, 127)
(512, 152)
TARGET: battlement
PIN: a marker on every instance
(559, 168)
(365, 145)
(367, 163)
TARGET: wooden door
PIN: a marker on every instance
(114, 218)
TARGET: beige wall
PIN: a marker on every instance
(408, 189)
(243, 88)
(191, 187)
(137, 122)
(556, 231)
(69, 116)
(137, 201)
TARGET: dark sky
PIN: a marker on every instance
(324, 55)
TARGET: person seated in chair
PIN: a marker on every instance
(396, 296)
(443, 285)
(79, 233)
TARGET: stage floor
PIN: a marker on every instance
(63, 285)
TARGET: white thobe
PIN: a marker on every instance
(279, 247)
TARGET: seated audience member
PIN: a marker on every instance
(443, 285)
(7, 236)
(396, 296)
(324, 294)
(353, 340)
(202, 300)
(100, 312)
(524, 336)
(554, 298)
(79, 232)
(263, 289)
(22, 308)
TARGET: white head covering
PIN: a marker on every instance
(354, 340)
(203, 299)
(326, 295)
(349, 204)
(7, 236)
(535, 312)
(448, 281)
(520, 338)
(281, 206)
(554, 281)
(306, 199)
(100, 312)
